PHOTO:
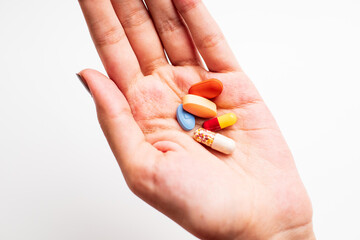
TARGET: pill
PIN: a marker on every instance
(185, 119)
(215, 141)
(221, 122)
(199, 106)
(208, 89)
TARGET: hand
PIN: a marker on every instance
(256, 192)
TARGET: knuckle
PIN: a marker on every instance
(169, 25)
(135, 17)
(112, 114)
(186, 5)
(154, 65)
(187, 62)
(211, 40)
(110, 36)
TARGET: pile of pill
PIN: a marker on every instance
(198, 103)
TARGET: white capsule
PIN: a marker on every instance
(216, 141)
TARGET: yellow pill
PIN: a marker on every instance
(221, 122)
(199, 106)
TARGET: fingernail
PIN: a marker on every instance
(83, 82)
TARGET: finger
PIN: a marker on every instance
(173, 33)
(141, 33)
(207, 36)
(111, 43)
(122, 132)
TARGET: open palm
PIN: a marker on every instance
(256, 192)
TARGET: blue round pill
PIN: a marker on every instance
(185, 119)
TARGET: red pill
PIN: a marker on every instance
(208, 89)
(221, 122)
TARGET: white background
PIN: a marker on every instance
(58, 178)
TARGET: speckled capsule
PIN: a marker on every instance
(215, 141)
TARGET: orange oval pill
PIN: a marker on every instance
(199, 106)
(208, 89)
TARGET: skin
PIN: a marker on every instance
(254, 193)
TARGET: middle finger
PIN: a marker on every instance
(173, 33)
(141, 33)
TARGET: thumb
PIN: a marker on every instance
(124, 136)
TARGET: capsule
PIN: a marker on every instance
(215, 141)
(221, 122)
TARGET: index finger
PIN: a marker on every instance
(111, 42)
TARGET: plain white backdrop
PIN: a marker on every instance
(58, 178)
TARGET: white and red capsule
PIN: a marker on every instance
(215, 141)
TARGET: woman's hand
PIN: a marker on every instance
(256, 192)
